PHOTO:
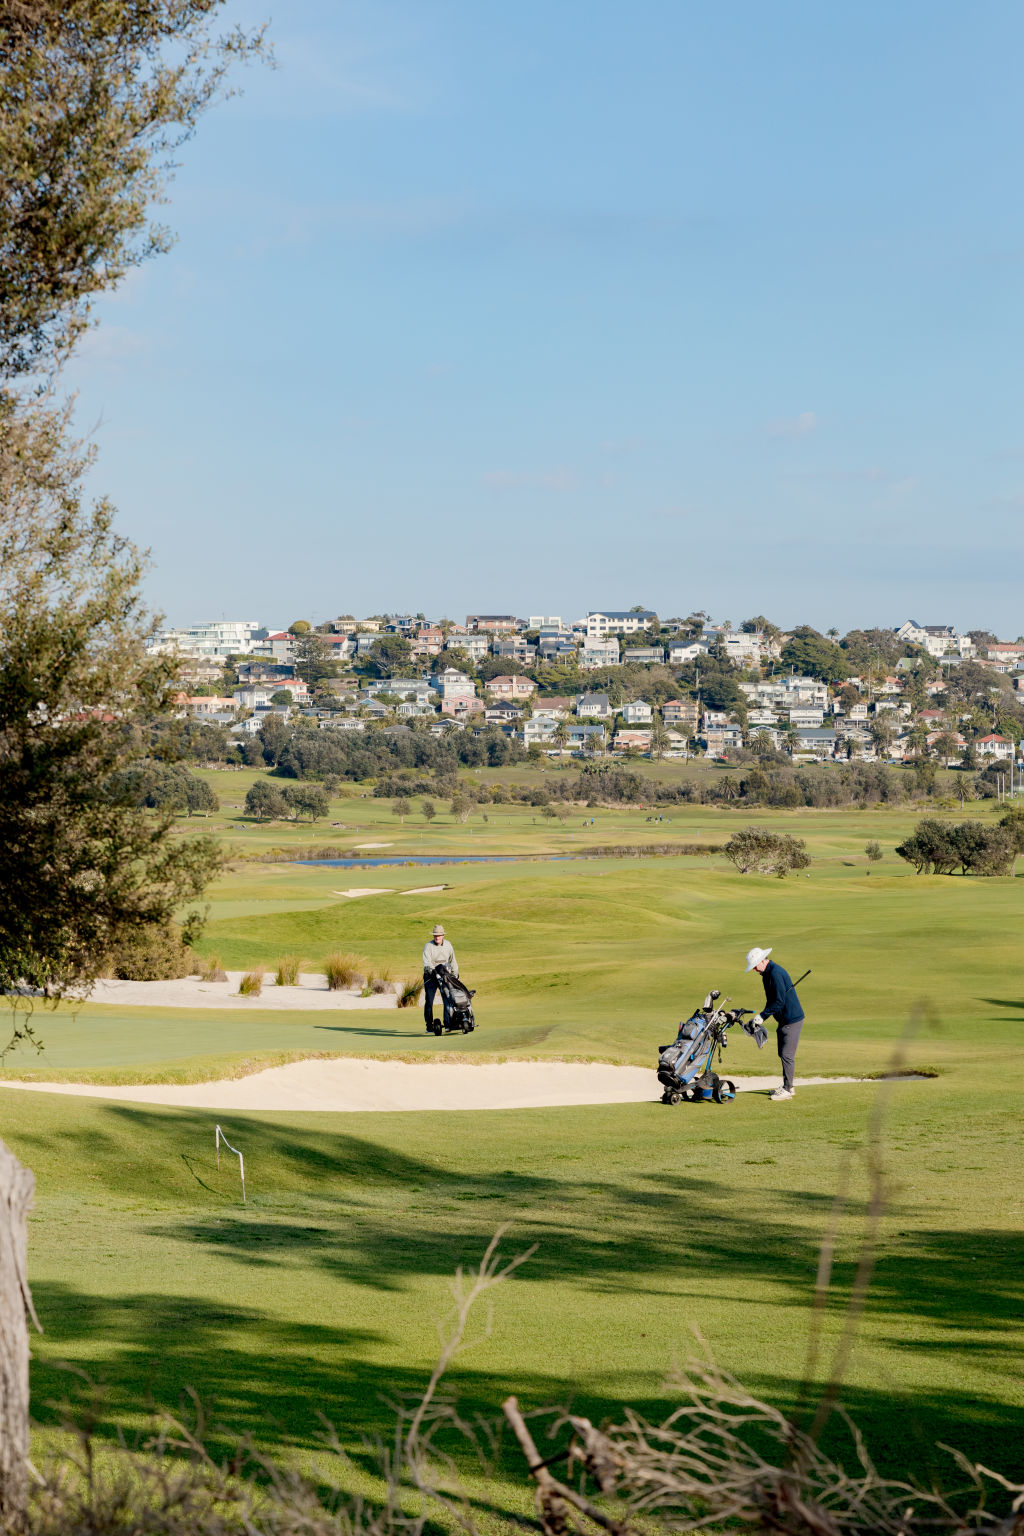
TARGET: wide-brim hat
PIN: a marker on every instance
(754, 956)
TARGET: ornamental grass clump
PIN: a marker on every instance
(251, 984)
(343, 971)
(289, 968)
(211, 969)
(409, 996)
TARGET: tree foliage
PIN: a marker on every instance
(87, 863)
(264, 801)
(812, 655)
(95, 98)
(938, 848)
(757, 850)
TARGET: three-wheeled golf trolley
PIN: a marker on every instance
(685, 1068)
(457, 999)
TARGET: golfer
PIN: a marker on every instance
(436, 951)
(781, 1004)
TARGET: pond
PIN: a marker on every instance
(436, 858)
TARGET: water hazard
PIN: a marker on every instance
(438, 858)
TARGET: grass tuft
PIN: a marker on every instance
(212, 970)
(410, 993)
(288, 970)
(343, 971)
(251, 984)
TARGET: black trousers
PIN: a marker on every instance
(788, 1038)
(430, 991)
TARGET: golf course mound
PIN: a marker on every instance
(354, 1084)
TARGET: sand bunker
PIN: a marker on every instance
(361, 846)
(422, 890)
(350, 1084)
(365, 890)
(191, 992)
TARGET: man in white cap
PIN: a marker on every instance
(436, 951)
(781, 1004)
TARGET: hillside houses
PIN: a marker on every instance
(618, 679)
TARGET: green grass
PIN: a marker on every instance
(322, 1294)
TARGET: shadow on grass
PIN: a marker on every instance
(355, 1029)
(278, 1381)
(341, 1207)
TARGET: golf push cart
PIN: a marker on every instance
(685, 1068)
(457, 999)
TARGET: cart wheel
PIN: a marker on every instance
(437, 1029)
(675, 1097)
(466, 1028)
(725, 1091)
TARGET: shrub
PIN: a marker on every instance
(212, 970)
(251, 984)
(288, 968)
(757, 850)
(342, 971)
(410, 993)
(155, 953)
(937, 848)
(873, 852)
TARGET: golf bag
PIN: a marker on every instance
(685, 1066)
(458, 1003)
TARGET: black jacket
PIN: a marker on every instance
(780, 999)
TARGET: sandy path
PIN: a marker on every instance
(355, 1083)
(191, 992)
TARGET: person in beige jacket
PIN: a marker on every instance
(436, 951)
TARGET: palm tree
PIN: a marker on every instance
(659, 738)
(881, 732)
(560, 735)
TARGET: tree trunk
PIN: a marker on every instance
(17, 1185)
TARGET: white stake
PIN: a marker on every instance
(218, 1137)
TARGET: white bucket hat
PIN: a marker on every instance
(438, 929)
(755, 956)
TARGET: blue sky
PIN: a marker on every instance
(564, 305)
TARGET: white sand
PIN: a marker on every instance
(360, 846)
(190, 992)
(364, 890)
(355, 1083)
(422, 890)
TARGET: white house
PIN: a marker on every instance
(682, 652)
(594, 706)
(637, 713)
(994, 746)
(599, 653)
(258, 695)
(224, 637)
(936, 639)
(612, 621)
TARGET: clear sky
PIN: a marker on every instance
(570, 304)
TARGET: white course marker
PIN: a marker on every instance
(218, 1137)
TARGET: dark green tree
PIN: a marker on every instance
(812, 655)
(264, 801)
(306, 800)
(390, 656)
